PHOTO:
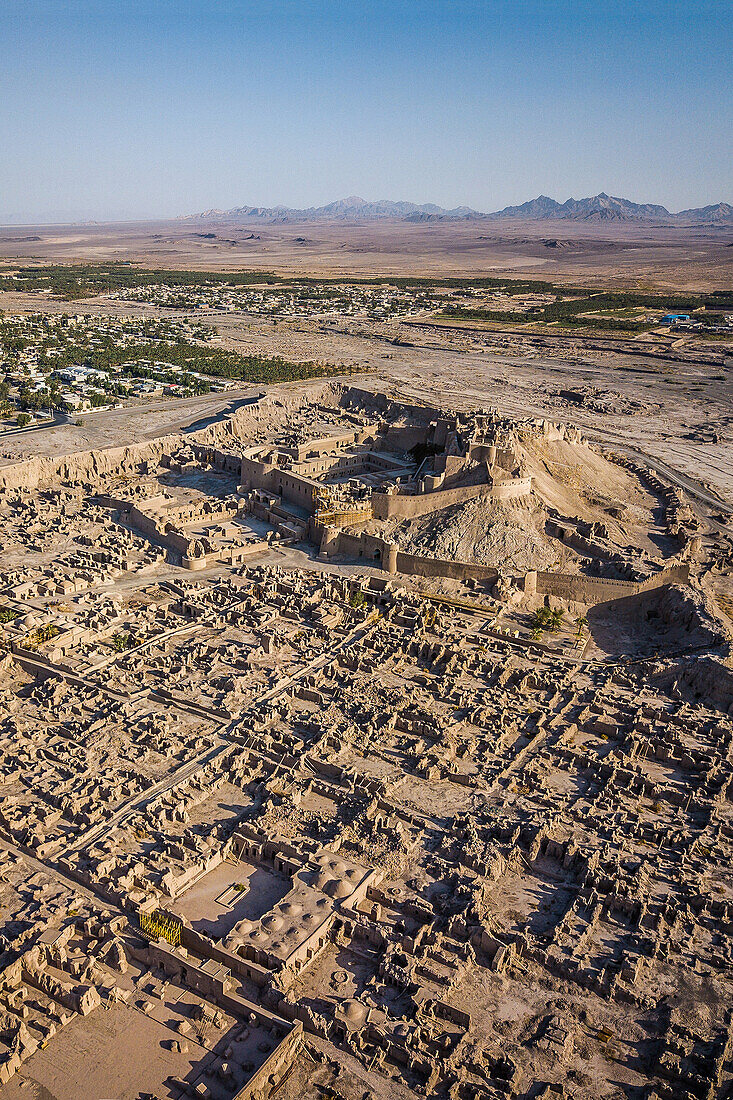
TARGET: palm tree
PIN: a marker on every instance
(541, 618)
(555, 620)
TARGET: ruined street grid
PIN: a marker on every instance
(317, 782)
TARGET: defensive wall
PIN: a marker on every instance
(581, 589)
(379, 551)
(404, 506)
(568, 586)
(88, 466)
(414, 566)
(85, 466)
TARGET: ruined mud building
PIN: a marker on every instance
(274, 817)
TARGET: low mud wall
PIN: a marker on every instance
(581, 589)
(414, 566)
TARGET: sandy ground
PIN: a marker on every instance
(624, 254)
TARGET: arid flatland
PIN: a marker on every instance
(366, 664)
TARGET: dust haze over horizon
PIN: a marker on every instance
(142, 110)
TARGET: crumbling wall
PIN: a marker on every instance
(90, 466)
(378, 550)
(581, 589)
(260, 1086)
(707, 678)
(85, 466)
(380, 402)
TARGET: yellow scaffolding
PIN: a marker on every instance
(331, 512)
(156, 926)
(344, 518)
(462, 605)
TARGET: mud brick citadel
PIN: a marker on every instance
(306, 789)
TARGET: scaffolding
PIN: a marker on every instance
(334, 512)
(157, 926)
(460, 604)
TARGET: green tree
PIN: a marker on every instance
(555, 620)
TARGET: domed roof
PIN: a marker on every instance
(336, 888)
(354, 1010)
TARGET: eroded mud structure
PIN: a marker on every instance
(351, 748)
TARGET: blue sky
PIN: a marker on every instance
(147, 108)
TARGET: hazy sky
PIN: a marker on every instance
(146, 108)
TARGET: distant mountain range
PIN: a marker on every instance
(607, 208)
(341, 210)
(598, 208)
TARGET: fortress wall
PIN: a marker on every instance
(512, 488)
(582, 589)
(89, 466)
(415, 566)
(397, 506)
(370, 547)
(673, 574)
(85, 466)
(377, 551)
